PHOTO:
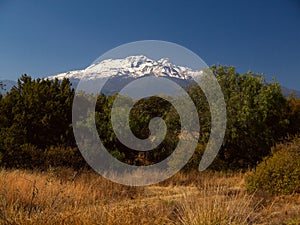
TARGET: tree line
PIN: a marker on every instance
(36, 123)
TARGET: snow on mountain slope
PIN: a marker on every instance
(132, 66)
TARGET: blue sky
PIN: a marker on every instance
(43, 38)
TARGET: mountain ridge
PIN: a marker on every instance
(132, 66)
(122, 71)
(8, 84)
(117, 73)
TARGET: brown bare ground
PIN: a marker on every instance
(63, 196)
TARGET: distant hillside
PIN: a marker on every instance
(286, 92)
(7, 85)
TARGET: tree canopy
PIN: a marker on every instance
(36, 123)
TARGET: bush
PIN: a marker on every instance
(63, 157)
(279, 173)
(23, 156)
(29, 156)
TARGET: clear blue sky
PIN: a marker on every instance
(43, 38)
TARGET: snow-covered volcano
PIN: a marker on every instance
(132, 66)
(122, 71)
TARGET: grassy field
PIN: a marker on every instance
(63, 196)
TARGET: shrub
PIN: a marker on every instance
(279, 173)
(63, 157)
(23, 156)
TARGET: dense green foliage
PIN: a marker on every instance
(257, 116)
(36, 123)
(34, 116)
(280, 172)
(140, 115)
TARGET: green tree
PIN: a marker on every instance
(294, 115)
(257, 116)
(38, 113)
(140, 115)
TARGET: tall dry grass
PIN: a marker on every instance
(63, 196)
(218, 202)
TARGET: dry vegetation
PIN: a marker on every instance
(62, 196)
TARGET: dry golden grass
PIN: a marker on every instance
(62, 196)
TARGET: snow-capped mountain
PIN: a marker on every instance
(132, 66)
(122, 71)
